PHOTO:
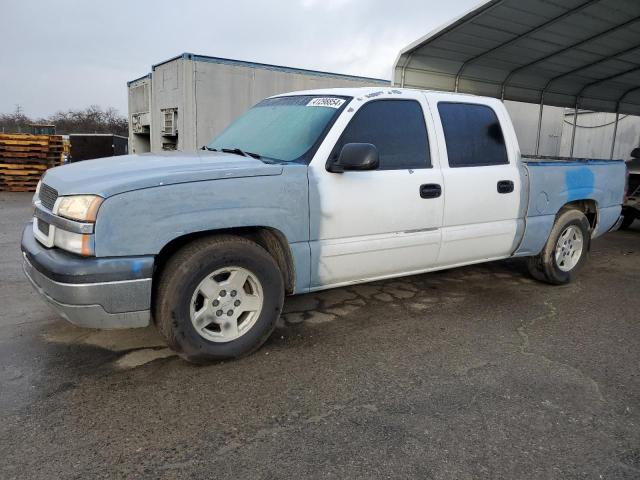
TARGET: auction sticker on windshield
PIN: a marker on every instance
(330, 102)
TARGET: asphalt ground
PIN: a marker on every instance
(473, 373)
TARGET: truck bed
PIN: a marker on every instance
(556, 181)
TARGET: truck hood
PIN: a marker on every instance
(114, 175)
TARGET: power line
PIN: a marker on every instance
(622, 117)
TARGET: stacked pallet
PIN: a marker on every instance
(24, 158)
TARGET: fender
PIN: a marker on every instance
(144, 221)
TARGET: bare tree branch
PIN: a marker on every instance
(92, 119)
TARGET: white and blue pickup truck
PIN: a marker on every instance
(306, 191)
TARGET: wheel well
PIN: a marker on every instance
(270, 239)
(588, 207)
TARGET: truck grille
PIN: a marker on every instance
(48, 196)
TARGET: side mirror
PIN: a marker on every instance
(635, 153)
(356, 156)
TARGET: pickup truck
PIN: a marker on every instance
(306, 191)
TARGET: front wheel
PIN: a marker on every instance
(218, 298)
(565, 251)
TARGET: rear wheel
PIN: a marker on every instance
(218, 298)
(565, 251)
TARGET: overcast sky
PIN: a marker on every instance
(56, 55)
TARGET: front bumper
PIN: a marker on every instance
(90, 292)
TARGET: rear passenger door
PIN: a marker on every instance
(378, 223)
(481, 179)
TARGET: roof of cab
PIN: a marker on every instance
(370, 92)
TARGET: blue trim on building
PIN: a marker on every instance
(148, 75)
(266, 66)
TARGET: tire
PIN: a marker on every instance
(627, 221)
(194, 279)
(545, 267)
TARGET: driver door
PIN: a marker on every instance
(379, 223)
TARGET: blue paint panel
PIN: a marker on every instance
(146, 220)
(579, 183)
(302, 266)
(110, 176)
(537, 231)
(570, 163)
(153, 199)
(136, 266)
(564, 182)
(554, 184)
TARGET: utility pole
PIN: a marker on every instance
(17, 117)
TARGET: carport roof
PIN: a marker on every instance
(566, 53)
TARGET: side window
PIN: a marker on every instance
(396, 128)
(473, 135)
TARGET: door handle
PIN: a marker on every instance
(505, 186)
(430, 190)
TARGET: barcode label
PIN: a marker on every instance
(330, 102)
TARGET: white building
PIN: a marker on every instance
(187, 100)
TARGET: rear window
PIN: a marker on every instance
(473, 135)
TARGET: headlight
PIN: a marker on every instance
(83, 208)
(82, 244)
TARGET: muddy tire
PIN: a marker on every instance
(218, 298)
(566, 250)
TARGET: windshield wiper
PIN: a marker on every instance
(238, 151)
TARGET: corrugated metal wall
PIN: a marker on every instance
(210, 94)
(595, 133)
(223, 92)
(139, 102)
(525, 121)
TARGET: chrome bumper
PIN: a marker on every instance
(90, 292)
(104, 305)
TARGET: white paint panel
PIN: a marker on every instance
(471, 243)
(472, 195)
(372, 223)
(351, 259)
(478, 222)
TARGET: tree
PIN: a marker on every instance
(16, 122)
(92, 119)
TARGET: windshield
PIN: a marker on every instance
(282, 128)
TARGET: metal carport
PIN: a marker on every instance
(582, 54)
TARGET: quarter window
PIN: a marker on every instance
(396, 128)
(473, 135)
